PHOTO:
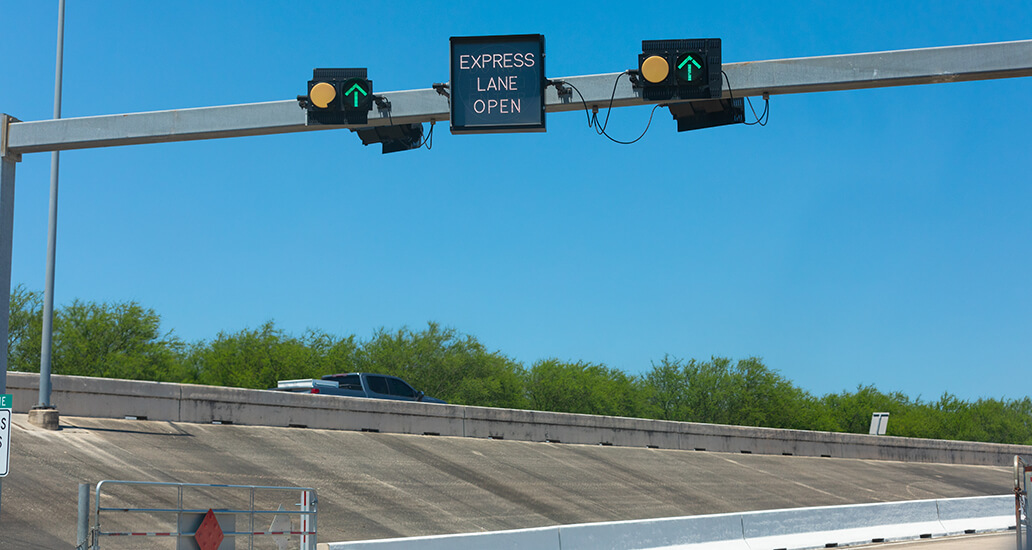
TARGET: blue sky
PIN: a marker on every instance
(865, 237)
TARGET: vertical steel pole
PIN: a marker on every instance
(48, 292)
(96, 518)
(82, 536)
(7, 161)
(309, 503)
(1018, 494)
(6, 243)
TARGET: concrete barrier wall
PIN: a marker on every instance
(792, 529)
(842, 525)
(976, 514)
(522, 539)
(722, 531)
(100, 397)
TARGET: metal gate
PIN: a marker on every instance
(200, 515)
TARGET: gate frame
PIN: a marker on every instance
(308, 513)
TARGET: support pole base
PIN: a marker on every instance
(46, 418)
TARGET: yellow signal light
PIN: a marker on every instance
(655, 69)
(322, 94)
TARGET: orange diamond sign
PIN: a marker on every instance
(209, 535)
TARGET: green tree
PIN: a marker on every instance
(258, 358)
(760, 396)
(114, 341)
(709, 398)
(1007, 421)
(445, 364)
(851, 412)
(125, 340)
(720, 391)
(586, 388)
(24, 336)
(666, 390)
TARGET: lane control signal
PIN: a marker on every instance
(338, 96)
(680, 69)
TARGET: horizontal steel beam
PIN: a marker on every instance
(780, 76)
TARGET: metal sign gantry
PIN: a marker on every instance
(754, 78)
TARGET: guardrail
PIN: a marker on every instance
(789, 529)
(109, 398)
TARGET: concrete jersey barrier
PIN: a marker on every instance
(976, 514)
(842, 525)
(713, 532)
(109, 398)
(518, 539)
(790, 529)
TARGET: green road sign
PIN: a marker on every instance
(6, 401)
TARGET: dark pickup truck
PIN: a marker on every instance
(357, 384)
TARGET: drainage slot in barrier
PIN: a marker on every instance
(297, 426)
(371, 430)
(431, 433)
(131, 417)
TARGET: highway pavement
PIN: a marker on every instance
(374, 485)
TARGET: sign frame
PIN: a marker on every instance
(5, 442)
(462, 107)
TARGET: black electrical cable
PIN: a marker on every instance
(609, 111)
(765, 117)
(635, 140)
(587, 111)
(600, 128)
(428, 141)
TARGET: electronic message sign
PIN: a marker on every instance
(497, 84)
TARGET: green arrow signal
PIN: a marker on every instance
(686, 60)
(352, 89)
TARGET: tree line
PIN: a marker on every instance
(125, 340)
